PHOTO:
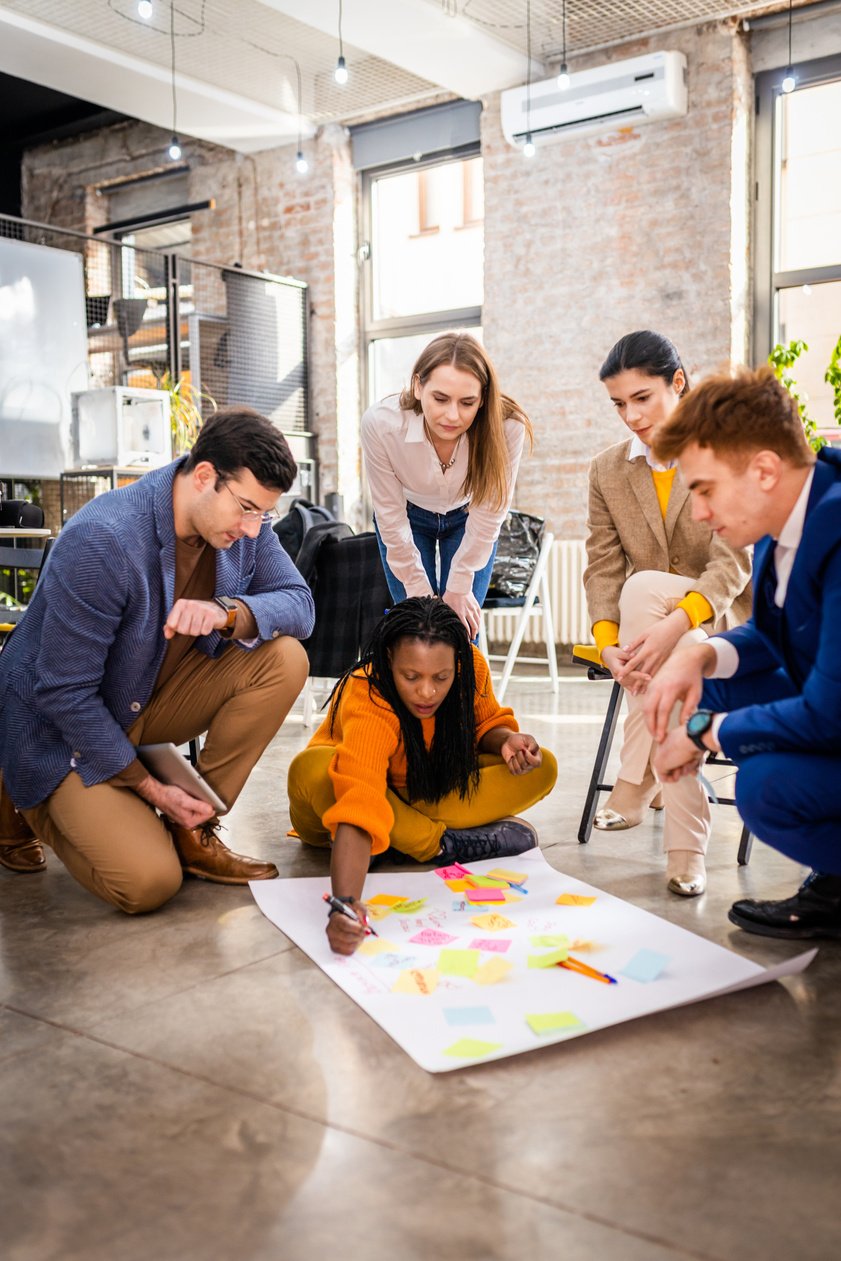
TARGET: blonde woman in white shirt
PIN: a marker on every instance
(442, 460)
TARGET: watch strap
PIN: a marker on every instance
(231, 608)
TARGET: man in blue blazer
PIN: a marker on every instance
(773, 699)
(167, 608)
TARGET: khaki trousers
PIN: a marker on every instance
(417, 828)
(647, 597)
(112, 841)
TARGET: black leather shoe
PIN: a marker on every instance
(813, 911)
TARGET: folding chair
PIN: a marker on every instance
(537, 602)
(19, 559)
(588, 655)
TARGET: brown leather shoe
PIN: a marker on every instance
(20, 849)
(202, 854)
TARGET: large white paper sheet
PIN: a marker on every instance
(453, 1019)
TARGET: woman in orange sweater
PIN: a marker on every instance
(415, 753)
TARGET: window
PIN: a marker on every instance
(798, 233)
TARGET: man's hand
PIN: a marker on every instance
(616, 659)
(653, 647)
(677, 756)
(177, 805)
(343, 934)
(521, 753)
(465, 605)
(680, 679)
(194, 617)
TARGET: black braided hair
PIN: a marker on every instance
(452, 762)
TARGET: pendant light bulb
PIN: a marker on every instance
(340, 73)
(301, 163)
(789, 82)
(145, 9)
(563, 77)
(528, 147)
(174, 150)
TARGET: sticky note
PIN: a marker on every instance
(508, 896)
(469, 1016)
(409, 908)
(453, 962)
(550, 941)
(375, 946)
(431, 937)
(646, 965)
(463, 906)
(416, 981)
(548, 960)
(485, 895)
(492, 970)
(471, 1049)
(514, 877)
(492, 922)
(377, 912)
(452, 872)
(553, 1021)
(487, 882)
(384, 899)
(497, 944)
(458, 886)
(574, 899)
(393, 960)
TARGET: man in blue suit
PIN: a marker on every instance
(167, 608)
(772, 701)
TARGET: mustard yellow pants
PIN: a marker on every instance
(417, 828)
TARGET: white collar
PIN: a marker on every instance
(792, 531)
(414, 427)
(638, 448)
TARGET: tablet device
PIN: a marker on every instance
(170, 767)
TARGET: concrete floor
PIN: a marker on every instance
(187, 1086)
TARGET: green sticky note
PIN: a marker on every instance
(550, 940)
(471, 1048)
(553, 1021)
(408, 908)
(488, 882)
(454, 962)
(548, 961)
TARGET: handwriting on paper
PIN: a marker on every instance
(416, 981)
(497, 944)
(409, 908)
(492, 922)
(431, 937)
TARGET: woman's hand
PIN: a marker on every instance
(649, 651)
(616, 659)
(345, 934)
(466, 607)
(521, 753)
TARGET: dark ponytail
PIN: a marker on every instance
(650, 353)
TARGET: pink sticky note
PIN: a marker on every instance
(484, 895)
(455, 872)
(490, 943)
(431, 937)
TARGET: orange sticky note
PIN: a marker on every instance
(574, 899)
(458, 886)
(494, 970)
(384, 899)
(492, 922)
(416, 981)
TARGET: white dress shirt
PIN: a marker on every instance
(638, 448)
(403, 467)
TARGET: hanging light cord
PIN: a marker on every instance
(528, 66)
(564, 29)
(172, 63)
(341, 45)
(790, 3)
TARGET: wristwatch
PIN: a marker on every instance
(698, 726)
(231, 608)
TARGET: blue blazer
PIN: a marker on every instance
(802, 638)
(83, 662)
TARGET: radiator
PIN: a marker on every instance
(567, 562)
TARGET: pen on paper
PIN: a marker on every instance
(584, 969)
(344, 909)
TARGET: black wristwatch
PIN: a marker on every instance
(231, 608)
(698, 726)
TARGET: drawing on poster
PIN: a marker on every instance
(457, 982)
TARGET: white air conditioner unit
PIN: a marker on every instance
(640, 90)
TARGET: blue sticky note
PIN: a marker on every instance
(463, 905)
(646, 965)
(393, 961)
(469, 1016)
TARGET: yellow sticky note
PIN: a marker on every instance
(492, 922)
(512, 897)
(553, 1021)
(494, 970)
(471, 1048)
(416, 981)
(384, 899)
(550, 941)
(376, 946)
(574, 899)
(377, 912)
(549, 960)
(454, 962)
(515, 877)
(458, 886)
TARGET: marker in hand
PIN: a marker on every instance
(342, 907)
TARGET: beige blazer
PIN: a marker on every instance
(627, 534)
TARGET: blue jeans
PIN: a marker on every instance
(437, 536)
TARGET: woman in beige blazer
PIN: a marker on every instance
(655, 579)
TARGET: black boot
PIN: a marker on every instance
(813, 911)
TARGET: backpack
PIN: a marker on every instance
(300, 518)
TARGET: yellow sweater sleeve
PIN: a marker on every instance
(606, 634)
(697, 608)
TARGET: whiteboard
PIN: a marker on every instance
(43, 356)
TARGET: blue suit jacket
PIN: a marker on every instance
(802, 638)
(83, 662)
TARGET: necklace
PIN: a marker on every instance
(445, 464)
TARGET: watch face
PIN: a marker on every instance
(699, 723)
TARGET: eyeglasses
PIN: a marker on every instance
(252, 514)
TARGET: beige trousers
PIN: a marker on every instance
(112, 841)
(647, 597)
